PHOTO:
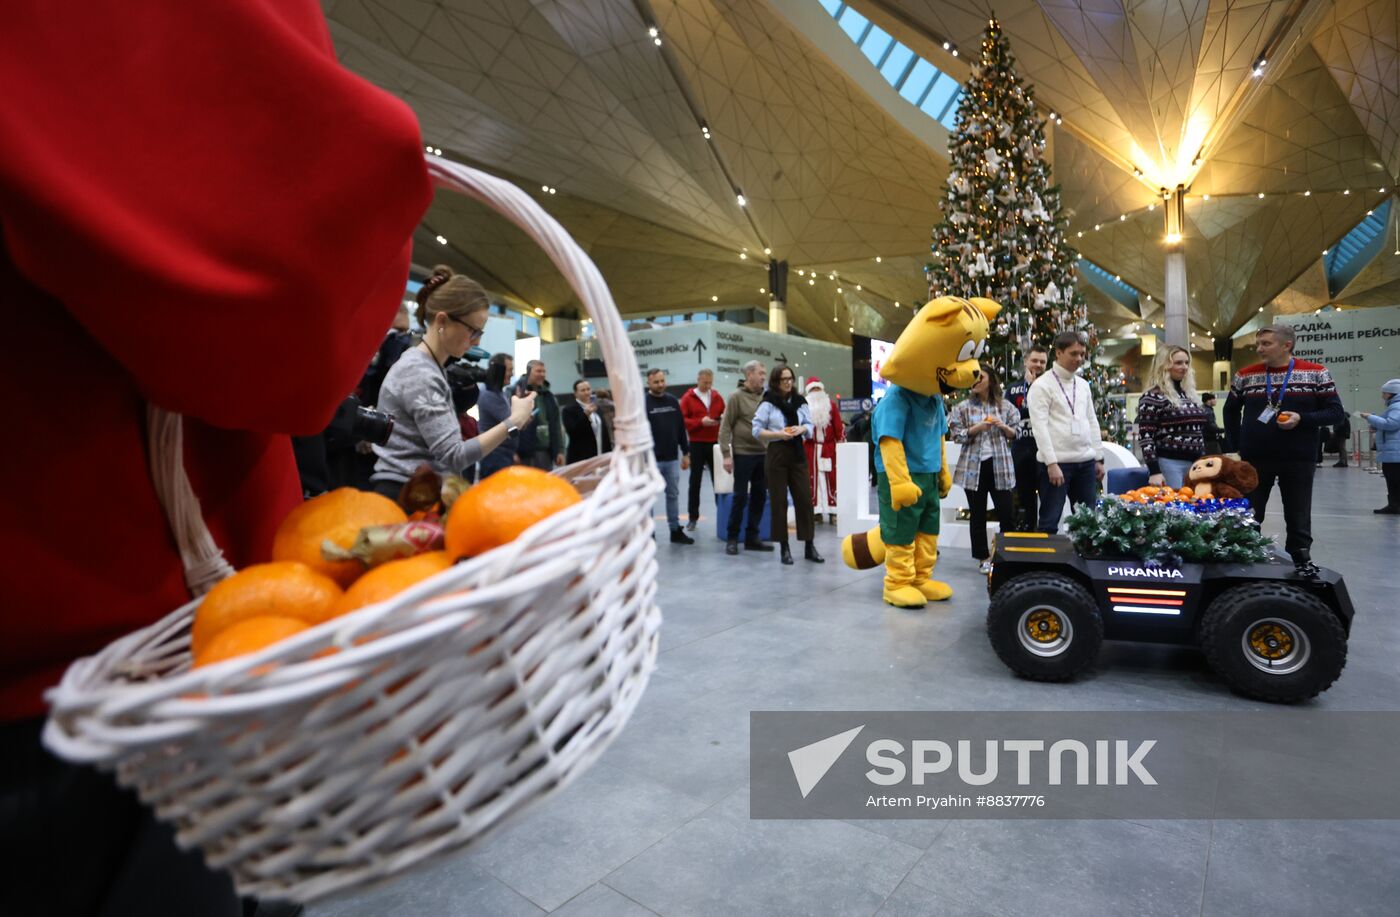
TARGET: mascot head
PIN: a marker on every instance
(938, 351)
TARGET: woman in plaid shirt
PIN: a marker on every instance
(984, 423)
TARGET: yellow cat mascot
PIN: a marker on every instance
(937, 353)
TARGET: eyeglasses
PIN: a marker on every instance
(476, 332)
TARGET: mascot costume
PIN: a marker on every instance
(935, 354)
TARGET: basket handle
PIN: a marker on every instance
(632, 433)
(203, 560)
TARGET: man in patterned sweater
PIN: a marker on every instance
(1272, 417)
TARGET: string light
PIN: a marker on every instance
(743, 201)
(705, 131)
(442, 240)
(768, 251)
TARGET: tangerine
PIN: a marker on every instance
(247, 636)
(390, 579)
(507, 503)
(338, 516)
(281, 589)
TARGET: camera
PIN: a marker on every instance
(465, 378)
(353, 423)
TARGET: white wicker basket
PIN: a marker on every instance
(445, 711)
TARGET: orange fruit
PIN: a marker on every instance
(280, 590)
(507, 503)
(338, 516)
(247, 636)
(390, 579)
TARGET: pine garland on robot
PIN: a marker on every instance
(1211, 531)
(1003, 235)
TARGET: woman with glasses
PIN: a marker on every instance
(452, 309)
(782, 422)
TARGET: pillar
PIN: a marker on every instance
(777, 296)
(1177, 323)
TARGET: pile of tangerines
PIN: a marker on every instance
(1159, 495)
(300, 588)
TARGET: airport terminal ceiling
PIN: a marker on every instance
(640, 144)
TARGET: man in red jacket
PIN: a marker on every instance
(200, 210)
(701, 407)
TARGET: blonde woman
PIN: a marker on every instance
(453, 310)
(985, 423)
(1171, 420)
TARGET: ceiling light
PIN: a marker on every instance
(1259, 66)
(768, 251)
(1151, 206)
(1369, 212)
(877, 257)
(955, 52)
(1117, 277)
(1096, 227)
(1324, 251)
(714, 299)
(539, 311)
(839, 290)
(946, 46)
(1261, 195)
(1382, 191)
(656, 41)
(1173, 238)
(1122, 217)
(853, 330)
(763, 289)
(811, 281)
(442, 240)
(1347, 191)
(544, 188)
(1261, 308)
(553, 190)
(1307, 194)
(857, 286)
(705, 131)
(1080, 234)
(652, 31)
(743, 256)
(427, 149)
(896, 302)
(801, 273)
(743, 201)
(1059, 120)
(1205, 197)
(830, 276)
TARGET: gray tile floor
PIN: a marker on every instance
(660, 825)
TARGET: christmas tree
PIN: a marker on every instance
(1002, 234)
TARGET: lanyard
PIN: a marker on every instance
(1269, 385)
(1068, 400)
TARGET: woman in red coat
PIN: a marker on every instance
(203, 211)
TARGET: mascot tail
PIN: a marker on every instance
(863, 550)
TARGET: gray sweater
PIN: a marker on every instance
(736, 425)
(426, 428)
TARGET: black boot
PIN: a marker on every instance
(1387, 511)
(812, 555)
(678, 536)
(786, 557)
(753, 544)
(1304, 567)
(731, 547)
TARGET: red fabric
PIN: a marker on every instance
(203, 210)
(834, 433)
(694, 411)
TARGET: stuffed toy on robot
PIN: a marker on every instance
(935, 354)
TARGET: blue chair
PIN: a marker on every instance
(1122, 480)
(723, 503)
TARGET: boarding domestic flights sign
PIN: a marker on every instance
(1361, 348)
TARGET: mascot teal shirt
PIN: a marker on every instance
(918, 421)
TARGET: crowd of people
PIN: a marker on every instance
(1027, 448)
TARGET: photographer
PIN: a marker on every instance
(417, 392)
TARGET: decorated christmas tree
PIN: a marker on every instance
(1002, 234)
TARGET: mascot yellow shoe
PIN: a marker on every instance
(937, 353)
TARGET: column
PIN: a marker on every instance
(1177, 323)
(777, 296)
(1220, 373)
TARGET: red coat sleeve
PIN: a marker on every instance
(224, 208)
(693, 412)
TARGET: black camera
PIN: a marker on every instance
(353, 423)
(465, 378)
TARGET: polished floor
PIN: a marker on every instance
(660, 825)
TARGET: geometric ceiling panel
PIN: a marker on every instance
(1359, 41)
(1378, 283)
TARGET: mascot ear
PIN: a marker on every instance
(986, 306)
(1246, 477)
(940, 311)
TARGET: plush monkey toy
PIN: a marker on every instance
(1222, 477)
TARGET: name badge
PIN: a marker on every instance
(1268, 414)
(1076, 427)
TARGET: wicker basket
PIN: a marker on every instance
(444, 712)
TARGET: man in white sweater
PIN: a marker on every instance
(1069, 445)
